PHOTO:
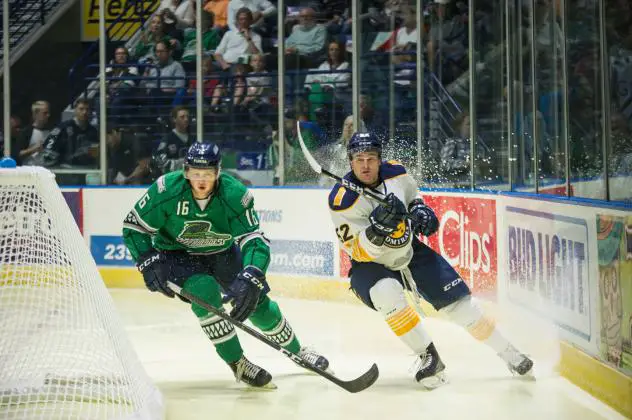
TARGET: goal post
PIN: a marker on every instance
(63, 351)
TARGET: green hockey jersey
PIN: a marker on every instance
(167, 217)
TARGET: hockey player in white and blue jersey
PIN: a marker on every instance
(388, 257)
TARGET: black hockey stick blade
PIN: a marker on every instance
(354, 385)
(359, 384)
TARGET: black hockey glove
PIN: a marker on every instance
(385, 218)
(245, 291)
(156, 272)
(424, 219)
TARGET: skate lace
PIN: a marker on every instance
(247, 369)
(309, 355)
(422, 362)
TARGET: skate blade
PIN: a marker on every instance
(328, 370)
(528, 376)
(270, 386)
(433, 382)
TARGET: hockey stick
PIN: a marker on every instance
(345, 182)
(355, 385)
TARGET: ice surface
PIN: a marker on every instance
(198, 385)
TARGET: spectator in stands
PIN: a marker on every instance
(30, 140)
(447, 43)
(406, 39)
(219, 9)
(305, 46)
(155, 33)
(170, 153)
(297, 170)
(238, 44)
(237, 87)
(396, 9)
(335, 13)
(338, 150)
(258, 82)
(332, 73)
(372, 17)
(16, 128)
(183, 11)
(171, 28)
(209, 82)
(210, 41)
(369, 119)
(74, 142)
(165, 79)
(120, 68)
(335, 154)
(121, 82)
(455, 153)
(128, 156)
(261, 10)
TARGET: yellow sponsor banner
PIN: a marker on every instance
(122, 17)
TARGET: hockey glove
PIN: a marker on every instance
(385, 218)
(423, 218)
(245, 291)
(156, 273)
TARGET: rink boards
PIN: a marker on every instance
(569, 261)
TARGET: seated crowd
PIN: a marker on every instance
(151, 83)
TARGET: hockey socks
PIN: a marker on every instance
(221, 333)
(269, 319)
(388, 298)
(470, 316)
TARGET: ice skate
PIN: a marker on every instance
(314, 359)
(251, 374)
(523, 367)
(518, 363)
(430, 369)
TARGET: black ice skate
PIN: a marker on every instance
(522, 367)
(430, 369)
(314, 358)
(518, 363)
(251, 374)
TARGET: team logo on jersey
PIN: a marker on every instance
(198, 234)
(399, 238)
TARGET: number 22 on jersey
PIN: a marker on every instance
(343, 233)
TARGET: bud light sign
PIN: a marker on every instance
(467, 238)
(548, 268)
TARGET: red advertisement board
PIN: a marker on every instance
(467, 238)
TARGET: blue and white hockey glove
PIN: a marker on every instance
(245, 291)
(385, 218)
(156, 272)
(423, 218)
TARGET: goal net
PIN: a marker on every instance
(63, 351)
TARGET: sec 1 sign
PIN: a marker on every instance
(251, 160)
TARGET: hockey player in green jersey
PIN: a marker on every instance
(198, 228)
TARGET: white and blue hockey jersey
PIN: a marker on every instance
(350, 213)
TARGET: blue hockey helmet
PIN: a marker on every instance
(363, 142)
(202, 156)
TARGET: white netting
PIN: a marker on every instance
(63, 351)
